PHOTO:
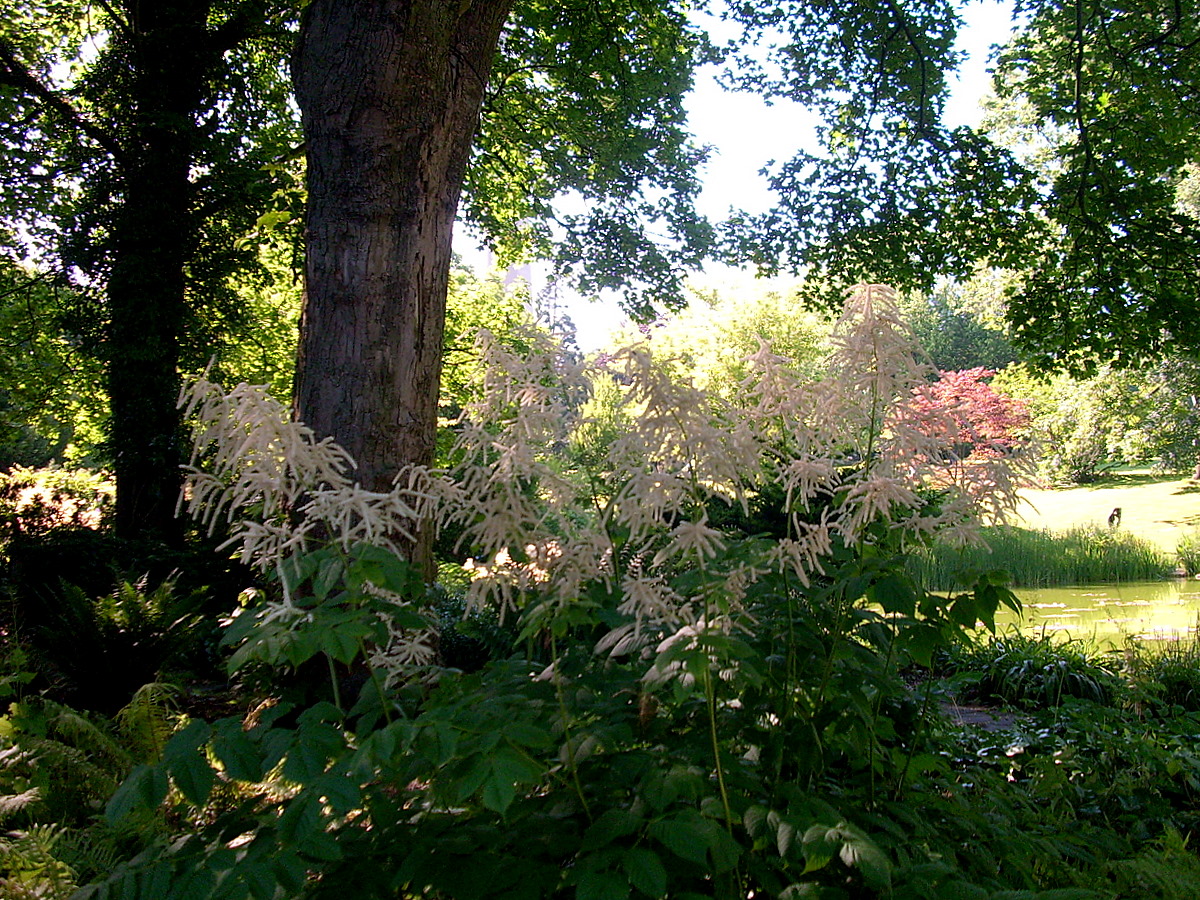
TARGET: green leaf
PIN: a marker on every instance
(684, 836)
(341, 640)
(498, 794)
(328, 576)
(860, 852)
(755, 820)
(304, 827)
(236, 751)
(340, 793)
(517, 767)
(785, 835)
(601, 886)
(145, 788)
(472, 780)
(186, 763)
(645, 870)
(527, 735)
(922, 641)
(611, 824)
(821, 843)
(895, 593)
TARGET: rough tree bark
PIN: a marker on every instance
(390, 93)
(152, 241)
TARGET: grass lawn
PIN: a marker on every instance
(1158, 508)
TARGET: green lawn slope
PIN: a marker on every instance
(1158, 508)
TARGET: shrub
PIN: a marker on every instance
(687, 710)
(1026, 671)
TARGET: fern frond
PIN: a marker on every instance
(149, 719)
(74, 729)
(11, 804)
(31, 868)
(74, 770)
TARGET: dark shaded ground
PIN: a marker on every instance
(987, 718)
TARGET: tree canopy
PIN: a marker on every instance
(1112, 94)
(152, 150)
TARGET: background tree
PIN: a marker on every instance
(709, 340)
(961, 325)
(990, 423)
(51, 404)
(1111, 94)
(587, 101)
(1086, 426)
(139, 141)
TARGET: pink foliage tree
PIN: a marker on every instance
(990, 423)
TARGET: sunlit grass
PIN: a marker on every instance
(1158, 508)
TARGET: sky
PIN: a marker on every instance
(746, 134)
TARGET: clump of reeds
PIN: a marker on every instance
(1044, 558)
(1188, 551)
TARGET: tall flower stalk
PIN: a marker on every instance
(858, 462)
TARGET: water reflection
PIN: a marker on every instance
(1106, 614)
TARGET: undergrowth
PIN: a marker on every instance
(674, 703)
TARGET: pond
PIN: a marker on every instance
(1106, 614)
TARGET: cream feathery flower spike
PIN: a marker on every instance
(692, 539)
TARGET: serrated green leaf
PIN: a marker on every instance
(860, 852)
(683, 837)
(601, 886)
(237, 751)
(609, 825)
(328, 576)
(145, 788)
(785, 834)
(821, 843)
(517, 767)
(755, 820)
(186, 763)
(498, 794)
(645, 871)
(474, 777)
(527, 735)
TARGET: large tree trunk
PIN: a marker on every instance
(152, 240)
(390, 94)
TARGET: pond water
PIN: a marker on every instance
(1106, 614)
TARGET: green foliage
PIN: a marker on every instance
(1044, 558)
(477, 303)
(36, 501)
(57, 768)
(1087, 425)
(1188, 551)
(30, 866)
(50, 403)
(1170, 871)
(95, 649)
(892, 195)
(589, 102)
(961, 326)
(1105, 92)
(1040, 672)
(678, 714)
(1166, 672)
(724, 322)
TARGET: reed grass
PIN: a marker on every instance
(1188, 551)
(1038, 558)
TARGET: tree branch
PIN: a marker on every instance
(16, 74)
(121, 24)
